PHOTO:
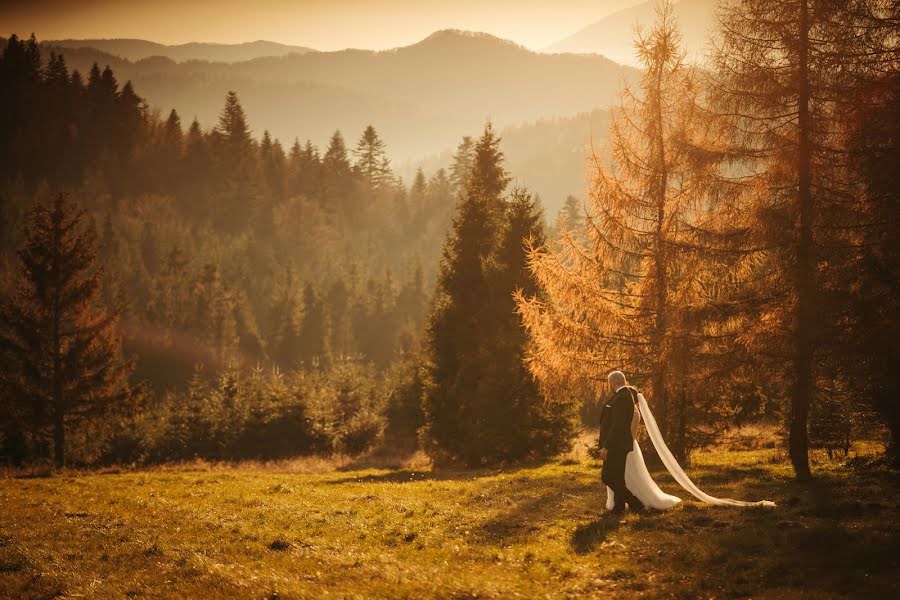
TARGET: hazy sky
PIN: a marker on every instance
(321, 24)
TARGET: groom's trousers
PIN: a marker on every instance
(613, 475)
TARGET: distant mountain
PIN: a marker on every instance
(613, 36)
(134, 50)
(421, 98)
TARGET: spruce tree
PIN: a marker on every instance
(462, 165)
(197, 168)
(417, 197)
(238, 192)
(315, 352)
(234, 129)
(454, 362)
(517, 420)
(214, 315)
(337, 180)
(481, 405)
(65, 352)
(284, 320)
(370, 158)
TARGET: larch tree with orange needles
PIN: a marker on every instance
(783, 80)
(629, 292)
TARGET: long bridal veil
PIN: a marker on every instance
(675, 469)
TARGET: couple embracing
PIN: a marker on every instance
(624, 471)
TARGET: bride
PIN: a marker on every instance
(638, 480)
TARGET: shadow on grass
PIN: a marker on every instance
(588, 536)
(411, 476)
(706, 475)
(538, 502)
(42, 474)
(834, 535)
(397, 474)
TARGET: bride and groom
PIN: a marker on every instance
(624, 472)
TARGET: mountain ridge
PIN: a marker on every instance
(135, 49)
(422, 98)
(613, 35)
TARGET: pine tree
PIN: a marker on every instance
(335, 159)
(56, 74)
(285, 321)
(418, 192)
(370, 158)
(66, 353)
(234, 129)
(197, 166)
(336, 175)
(570, 218)
(170, 152)
(214, 315)
(239, 197)
(454, 362)
(273, 166)
(305, 167)
(462, 165)
(476, 382)
(517, 418)
(439, 212)
(314, 350)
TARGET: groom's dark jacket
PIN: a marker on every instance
(615, 421)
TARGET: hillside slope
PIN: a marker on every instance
(131, 49)
(421, 98)
(613, 36)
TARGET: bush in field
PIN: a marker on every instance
(403, 412)
(265, 414)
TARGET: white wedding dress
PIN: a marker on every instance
(640, 483)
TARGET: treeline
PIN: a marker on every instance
(256, 253)
(741, 250)
(274, 302)
(219, 248)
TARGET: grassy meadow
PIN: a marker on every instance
(300, 530)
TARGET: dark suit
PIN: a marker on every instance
(616, 437)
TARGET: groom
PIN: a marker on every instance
(616, 440)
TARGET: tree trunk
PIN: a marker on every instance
(59, 439)
(59, 432)
(803, 357)
(680, 449)
(661, 404)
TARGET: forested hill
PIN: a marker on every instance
(132, 49)
(613, 35)
(421, 96)
(222, 244)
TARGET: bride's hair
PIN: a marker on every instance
(617, 378)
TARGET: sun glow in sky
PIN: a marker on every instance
(320, 24)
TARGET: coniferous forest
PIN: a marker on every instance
(174, 292)
(268, 303)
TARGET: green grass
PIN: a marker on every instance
(261, 532)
